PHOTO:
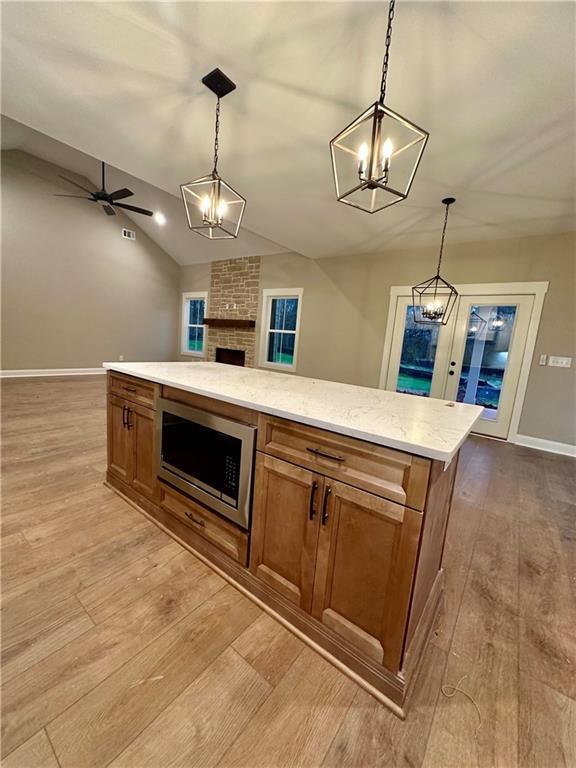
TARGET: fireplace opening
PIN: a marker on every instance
(230, 356)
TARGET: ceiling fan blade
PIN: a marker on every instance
(135, 209)
(78, 197)
(120, 194)
(109, 210)
(76, 184)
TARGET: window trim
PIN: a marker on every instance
(186, 297)
(267, 295)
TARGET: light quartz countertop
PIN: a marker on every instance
(426, 427)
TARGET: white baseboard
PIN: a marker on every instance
(35, 372)
(545, 445)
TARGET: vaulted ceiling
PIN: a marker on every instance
(492, 82)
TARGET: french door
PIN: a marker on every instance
(475, 358)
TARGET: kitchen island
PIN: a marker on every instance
(347, 493)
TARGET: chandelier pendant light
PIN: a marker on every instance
(375, 158)
(434, 299)
(213, 209)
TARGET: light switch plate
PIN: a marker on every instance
(543, 360)
(560, 362)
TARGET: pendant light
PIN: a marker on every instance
(434, 299)
(375, 158)
(214, 210)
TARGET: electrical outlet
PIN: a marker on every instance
(560, 362)
(543, 360)
(121, 357)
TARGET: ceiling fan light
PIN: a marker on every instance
(213, 208)
(375, 158)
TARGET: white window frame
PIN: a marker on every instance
(185, 314)
(267, 295)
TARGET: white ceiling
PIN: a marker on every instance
(492, 82)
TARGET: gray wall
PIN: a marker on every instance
(346, 300)
(74, 292)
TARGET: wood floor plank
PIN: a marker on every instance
(547, 732)
(471, 487)
(269, 647)
(112, 715)
(297, 722)
(370, 735)
(203, 721)
(96, 564)
(484, 648)
(43, 633)
(44, 691)
(105, 597)
(34, 753)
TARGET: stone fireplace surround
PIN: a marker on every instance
(234, 294)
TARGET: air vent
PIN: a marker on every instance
(129, 234)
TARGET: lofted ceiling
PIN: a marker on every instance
(493, 82)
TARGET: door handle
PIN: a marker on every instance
(124, 422)
(325, 506)
(195, 520)
(318, 452)
(312, 510)
(129, 412)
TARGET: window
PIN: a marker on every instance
(281, 320)
(193, 329)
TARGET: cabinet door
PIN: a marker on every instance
(119, 439)
(285, 528)
(141, 424)
(366, 554)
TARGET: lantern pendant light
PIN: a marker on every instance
(213, 209)
(434, 299)
(375, 158)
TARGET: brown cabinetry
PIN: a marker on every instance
(339, 553)
(131, 436)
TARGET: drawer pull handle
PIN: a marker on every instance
(130, 389)
(124, 420)
(312, 510)
(195, 520)
(129, 423)
(325, 505)
(318, 452)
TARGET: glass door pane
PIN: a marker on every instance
(418, 353)
(488, 338)
(417, 357)
(486, 357)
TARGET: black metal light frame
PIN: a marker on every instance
(434, 299)
(377, 182)
(209, 198)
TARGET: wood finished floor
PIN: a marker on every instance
(120, 648)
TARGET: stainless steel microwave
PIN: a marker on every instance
(208, 457)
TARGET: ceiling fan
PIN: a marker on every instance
(108, 200)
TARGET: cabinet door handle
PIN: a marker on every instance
(129, 424)
(195, 520)
(318, 452)
(124, 421)
(130, 389)
(312, 510)
(325, 505)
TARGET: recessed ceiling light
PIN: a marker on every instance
(159, 218)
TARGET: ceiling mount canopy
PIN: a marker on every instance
(375, 158)
(213, 209)
(434, 299)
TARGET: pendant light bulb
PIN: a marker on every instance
(363, 153)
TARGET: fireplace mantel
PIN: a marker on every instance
(228, 322)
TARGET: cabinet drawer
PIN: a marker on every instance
(386, 472)
(130, 388)
(224, 535)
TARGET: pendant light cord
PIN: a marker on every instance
(386, 51)
(442, 241)
(216, 132)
